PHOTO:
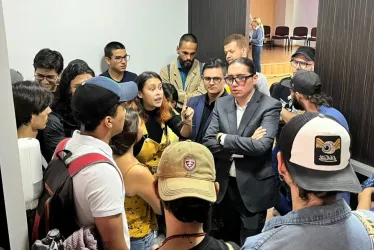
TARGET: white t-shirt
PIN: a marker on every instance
(98, 189)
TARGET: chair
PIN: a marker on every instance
(313, 36)
(281, 33)
(267, 31)
(299, 33)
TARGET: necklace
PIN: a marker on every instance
(182, 236)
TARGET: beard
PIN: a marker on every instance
(185, 64)
(296, 104)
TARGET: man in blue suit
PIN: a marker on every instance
(213, 74)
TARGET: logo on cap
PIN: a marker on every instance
(327, 150)
(189, 163)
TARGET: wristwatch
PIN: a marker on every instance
(218, 138)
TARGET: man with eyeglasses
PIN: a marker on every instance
(48, 66)
(243, 163)
(236, 46)
(214, 71)
(117, 58)
(302, 59)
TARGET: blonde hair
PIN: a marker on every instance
(259, 22)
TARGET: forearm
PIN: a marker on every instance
(186, 130)
(364, 200)
(245, 145)
(287, 115)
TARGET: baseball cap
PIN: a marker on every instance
(97, 95)
(186, 169)
(15, 76)
(316, 150)
(308, 52)
(305, 82)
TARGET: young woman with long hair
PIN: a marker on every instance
(141, 201)
(157, 116)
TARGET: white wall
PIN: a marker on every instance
(9, 157)
(293, 13)
(305, 14)
(149, 29)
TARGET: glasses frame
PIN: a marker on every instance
(126, 58)
(212, 79)
(294, 64)
(246, 77)
(41, 78)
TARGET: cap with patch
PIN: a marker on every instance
(305, 82)
(186, 169)
(99, 95)
(317, 154)
(306, 51)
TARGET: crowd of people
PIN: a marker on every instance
(202, 154)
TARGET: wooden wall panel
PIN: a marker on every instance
(345, 60)
(264, 9)
(212, 21)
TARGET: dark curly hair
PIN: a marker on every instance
(63, 95)
(320, 99)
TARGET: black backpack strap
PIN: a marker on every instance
(201, 67)
(168, 67)
(60, 147)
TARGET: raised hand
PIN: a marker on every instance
(187, 112)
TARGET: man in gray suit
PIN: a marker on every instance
(243, 164)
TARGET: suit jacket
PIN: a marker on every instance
(197, 103)
(254, 173)
(194, 85)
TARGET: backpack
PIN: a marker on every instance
(56, 209)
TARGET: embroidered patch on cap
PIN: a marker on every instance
(189, 163)
(327, 150)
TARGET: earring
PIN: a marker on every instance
(281, 178)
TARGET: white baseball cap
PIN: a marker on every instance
(316, 149)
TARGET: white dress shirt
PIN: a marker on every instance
(239, 115)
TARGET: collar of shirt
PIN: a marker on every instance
(207, 97)
(315, 215)
(91, 141)
(245, 106)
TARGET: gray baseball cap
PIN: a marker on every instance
(305, 82)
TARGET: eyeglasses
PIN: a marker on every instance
(209, 79)
(119, 59)
(240, 79)
(49, 78)
(302, 65)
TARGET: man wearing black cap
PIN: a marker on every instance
(99, 108)
(306, 94)
(314, 162)
(302, 59)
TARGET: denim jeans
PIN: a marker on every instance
(256, 56)
(144, 243)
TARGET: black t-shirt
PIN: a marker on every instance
(210, 243)
(127, 76)
(282, 94)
